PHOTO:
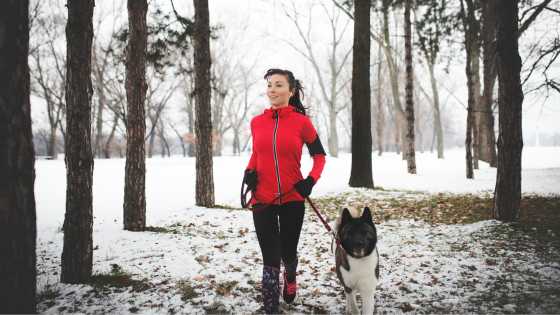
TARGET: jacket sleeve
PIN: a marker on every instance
(311, 139)
(253, 161)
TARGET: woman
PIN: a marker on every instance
(278, 187)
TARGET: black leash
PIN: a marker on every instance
(327, 226)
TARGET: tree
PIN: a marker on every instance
(470, 26)
(431, 28)
(331, 86)
(47, 68)
(203, 122)
(134, 217)
(507, 195)
(486, 118)
(18, 229)
(409, 89)
(361, 170)
(78, 221)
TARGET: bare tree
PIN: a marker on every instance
(202, 91)
(48, 72)
(77, 252)
(331, 85)
(18, 229)
(380, 105)
(431, 28)
(361, 172)
(134, 217)
(507, 195)
(470, 40)
(409, 89)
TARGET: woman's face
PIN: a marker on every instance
(278, 90)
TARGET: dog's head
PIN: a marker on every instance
(357, 234)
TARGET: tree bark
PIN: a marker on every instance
(361, 171)
(469, 41)
(409, 89)
(486, 126)
(78, 222)
(134, 216)
(18, 229)
(203, 122)
(507, 195)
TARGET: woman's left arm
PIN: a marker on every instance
(311, 139)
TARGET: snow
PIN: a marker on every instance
(483, 267)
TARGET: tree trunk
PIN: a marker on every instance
(78, 222)
(400, 117)
(51, 148)
(380, 117)
(469, 41)
(203, 122)
(18, 229)
(333, 134)
(361, 171)
(409, 89)
(475, 111)
(507, 195)
(151, 140)
(486, 126)
(98, 146)
(134, 216)
(190, 117)
(107, 146)
(438, 132)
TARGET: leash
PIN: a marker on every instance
(327, 226)
(261, 207)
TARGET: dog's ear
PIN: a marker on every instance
(346, 216)
(366, 215)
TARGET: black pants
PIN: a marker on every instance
(278, 228)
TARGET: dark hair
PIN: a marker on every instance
(295, 86)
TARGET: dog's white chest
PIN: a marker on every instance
(361, 276)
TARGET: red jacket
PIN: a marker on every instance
(278, 138)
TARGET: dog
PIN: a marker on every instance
(357, 259)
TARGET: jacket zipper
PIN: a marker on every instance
(276, 168)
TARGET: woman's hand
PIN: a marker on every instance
(250, 179)
(305, 186)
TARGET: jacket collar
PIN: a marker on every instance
(281, 112)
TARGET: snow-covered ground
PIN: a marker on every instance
(213, 254)
(170, 183)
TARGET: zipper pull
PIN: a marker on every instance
(275, 114)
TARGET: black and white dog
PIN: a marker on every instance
(357, 259)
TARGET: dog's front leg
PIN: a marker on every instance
(351, 304)
(368, 303)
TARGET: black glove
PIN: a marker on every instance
(250, 179)
(305, 186)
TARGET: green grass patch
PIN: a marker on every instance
(118, 278)
(186, 290)
(161, 229)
